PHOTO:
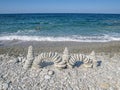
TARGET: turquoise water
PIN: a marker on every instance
(60, 27)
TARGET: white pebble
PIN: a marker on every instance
(50, 72)
(47, 77)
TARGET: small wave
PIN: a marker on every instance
(20, 32)
(48, 38)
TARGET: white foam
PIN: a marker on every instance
(72, 38)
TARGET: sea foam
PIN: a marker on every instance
(105, 38)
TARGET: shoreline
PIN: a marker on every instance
(15, 47)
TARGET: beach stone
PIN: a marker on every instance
(47, 77)
(20, 59)
(5, 86)
(50, 72)
(52, 81)
(1, 85)
(24, 59)
(16, 60)
(105, 85)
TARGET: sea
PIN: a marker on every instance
(78, 27)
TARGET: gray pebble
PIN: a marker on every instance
(5, 86)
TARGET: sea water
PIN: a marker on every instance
(60, 27)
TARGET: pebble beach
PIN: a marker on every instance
(105, 76)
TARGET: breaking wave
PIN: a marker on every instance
(105, 38)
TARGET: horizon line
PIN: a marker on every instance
(57, 13)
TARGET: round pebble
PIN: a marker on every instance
(50, 72)
(47, 77)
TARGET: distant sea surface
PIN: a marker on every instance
(60, 27)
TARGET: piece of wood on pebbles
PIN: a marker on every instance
(60, 66)
(105, 85)
(88, 65)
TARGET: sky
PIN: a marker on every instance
(60, 6)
